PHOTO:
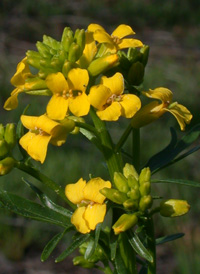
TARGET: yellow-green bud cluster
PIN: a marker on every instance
(132, 190)
(53, 56)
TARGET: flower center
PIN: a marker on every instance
(38, 131)
(111, 99)
(116, 39)
(69, 93)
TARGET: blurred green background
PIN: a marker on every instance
(172, 30)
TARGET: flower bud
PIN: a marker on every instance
(145, 175)
(74, 52)
(66, 67)
(136, 74)
(121, 182)
(1, 132)
(145, 202)
(79, 38)
(145, 188)
(174, 208)
(81, 261)
(125, 222)
(134, 194)
(145, 54)
(6, 165)
(51, 42)
(131, 204)
(132, 182)
(69, 124)
(76, 119)
(10, 135)
(4, 149)
(43, 50)
(130, 170)
(102, 64)
(114, 195)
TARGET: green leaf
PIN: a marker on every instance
(91, 137)
(46, 201)
(93, 243)
(51, 245)
(138, 246)
(169, 238)
(29, 209)
(113, 246)
(177, 181)
(120, 267)
(81, 238)
(166, 156)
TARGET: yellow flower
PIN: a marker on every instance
(68, 94)
(116, 40)
(90, 202)
(42, 130)
(154, 110)
(109, 100)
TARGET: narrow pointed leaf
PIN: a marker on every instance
(91, 137)
(113, 247)
(120, 267)
(177, 181)
(169, 238)
(138, 246)
(76, 243)
(93, 245)
(51, 245)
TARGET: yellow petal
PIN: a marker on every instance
(60, 139)
(36, 146)
(114, 83)
(22, 72)
(122, 31)
(57, 83)
(163, 94)
(74, 192)
(94, 27)
(94, 214)
(12, 101)
(102, 37)
(181, 113)
(111, 113)
(130, 105)
(49, 126)
(26, 139)
(79, 105)
(57, 107)
(29, 121)
(129, 43)
(98, 96)
(78, 221)
(89, 51)
(91, 190)
(78, 79)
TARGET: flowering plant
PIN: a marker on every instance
(93, 78)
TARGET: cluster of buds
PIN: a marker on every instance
(7, 143)
(132, 192)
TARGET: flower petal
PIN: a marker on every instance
(94, 27)
(163, 94)
(57, 107)
(98, 96)
(21, 74)
(89, 51)
(12, 101)
(122, 31)
(114, 83)
(102, 37)
(181, 113)
(130, 105)
(111, 113)
(36, 146)
(78, 221)
(74, 192)
(78, 79)
(94, 214)
(129, 43)
(57, 83)
(29, 121)
(79, 105)
(91, 190)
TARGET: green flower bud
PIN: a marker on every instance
(145, 175)
(174, 208)
(74, 52)
(10, 135)
(69, 124)
(145, 54)
(132, 182)
(125, 222)
(67, 43)
(33, 54)
(76, 119)
(130, 170)
(145, 188)
(43, 50)
(114, 195)
(56, 63)
(131, 204)
(51, 42)
(145, 202)
(6, 165)
(102, 64)
(67, 38)
(134, 55)
(34, 62)
(66, 68)
(79, 38)
(1, 132)
(4, 149)
(121, 182)
(81, 261)
(134, 194)
(136, 74)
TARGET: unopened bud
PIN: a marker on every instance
(145, 202)
(145, 188)
(102, 64)
(134, 194)
(66, 68)
(130, 170)
(4, 149)
(131, 204)
(43, 50)
(174, 208)
(145, 175)
(132, 182)
(74, 52)
(136, 74)
(121, 182)
(10, 135)
(114, 195)
(125, 222)
(79, 38)
(51, 42)
(69, 124)
(1, 131)
(145, 54)
(6, 165)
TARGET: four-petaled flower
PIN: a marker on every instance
(90, 202)
(109, 100)
(68, 94)
(154, 110)
(43, 130)
(116, 40)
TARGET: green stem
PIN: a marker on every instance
(151, 242)
(44, 179)
(88, 127)
(123, 138)
(136, 148)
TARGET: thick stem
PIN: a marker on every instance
(43, 179)
(151, 245)
(136, 148)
